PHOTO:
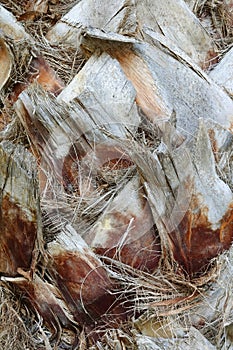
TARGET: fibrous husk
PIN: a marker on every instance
(46, 302)
(85, 169)
(41, 72)
(62, 148)
(125, 231)
(75, 268)
(20, 213)
(72, 123)
(192, 208)
(40, 6)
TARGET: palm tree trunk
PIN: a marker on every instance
(116, 174)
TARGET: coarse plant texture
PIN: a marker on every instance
(216, 17)
(65, 61)
(18, 328)
(163, 305)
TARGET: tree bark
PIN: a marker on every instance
(116, 207)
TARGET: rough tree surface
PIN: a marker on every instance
(116, 174)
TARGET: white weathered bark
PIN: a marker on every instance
(222, 74)
(115, 16)
(171, 18)
(176, 22)
(168, 82)
(193, 218)
(101, 87)
(92, 128)
(10, 27)
(192, 340)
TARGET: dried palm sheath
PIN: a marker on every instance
(86, 289)
(222, 74)
(90, 132)
(171, 18)
(101, 153)
(20, 213)
(164, 65)
(197, 233)
(187, 267)
(40, 71)
(65, 125)
(10, 27)
(125, 231)
(176, 22)
(84, 303)
(54, 125)
(6, 63)
(38, 293)
(115, 16)
(19, 259)
(19, 209)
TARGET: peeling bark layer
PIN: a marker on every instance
(41, 72)
(126, 230)
(45, 300)
(20, 215)
(134, 159)
(80, 277)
